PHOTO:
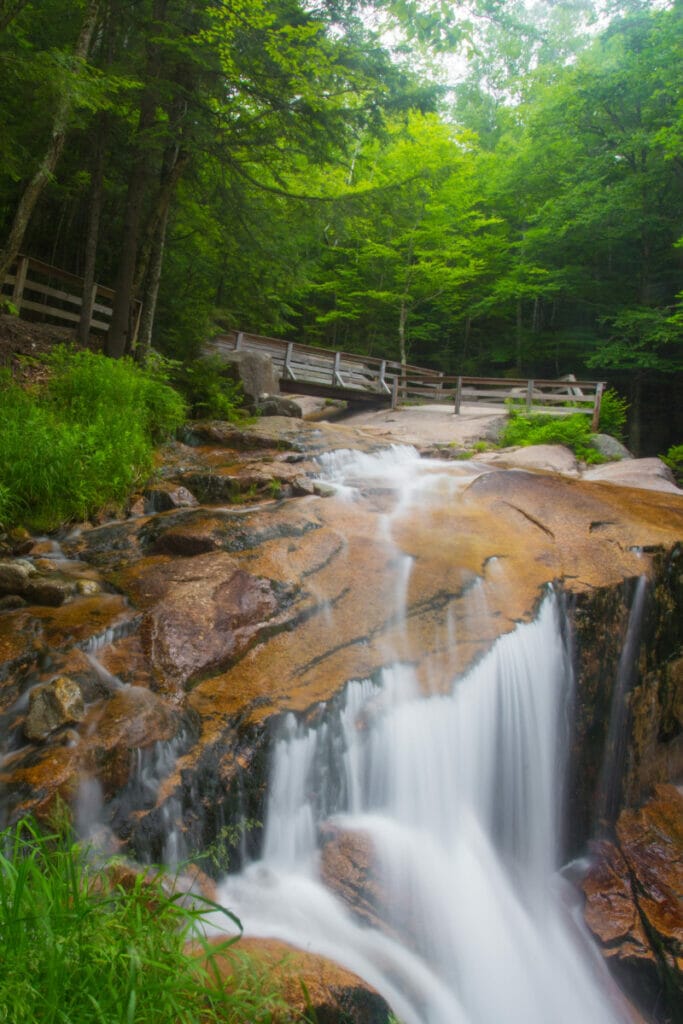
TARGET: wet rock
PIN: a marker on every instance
(14, 575)
(227, 435)
(46, 591)
(11, 601)
(164, 498)
(329, 993)
(88, 588)
(53, 705)
(348, 868)
(323, 490)
(634, 900)
(276, 405)
(203, 612)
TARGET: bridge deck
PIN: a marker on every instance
(304, 369)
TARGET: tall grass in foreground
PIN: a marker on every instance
(77, 949)
(81, 442)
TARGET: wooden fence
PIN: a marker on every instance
(43, 292)
(306, 369)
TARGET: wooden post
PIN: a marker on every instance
(20, 280)
(458, 396)
(287, 370)
(336, 376)
(238, 342)
(595, 422)
(394, 392)
(529, 396)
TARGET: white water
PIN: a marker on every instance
(459, 795)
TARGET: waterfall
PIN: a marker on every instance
(457, 796)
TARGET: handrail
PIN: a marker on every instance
(345, 373)
(31, 286)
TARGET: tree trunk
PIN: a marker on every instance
(119, 338)
(519, 322)
(402, 319)
(47, 165)
(149, 300)
(634, 431)
(92, 238)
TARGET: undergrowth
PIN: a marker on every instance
(81, 441)
(77, 948)
(674, 460)
(572, 431)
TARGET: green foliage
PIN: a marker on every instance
(613, 410)
(209, 390)
(572, 431)
(674, 460)
(91, 431)
(8, 308)
(78, 947)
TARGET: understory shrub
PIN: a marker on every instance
(79, 948)
(573, 431)
(613, 410)
(210, 391)
(673, 459)
(83, 440)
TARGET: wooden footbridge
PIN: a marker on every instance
(306, 370)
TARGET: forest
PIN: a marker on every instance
(484, 187)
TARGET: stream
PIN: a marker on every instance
(453, 790)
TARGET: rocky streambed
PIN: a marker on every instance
(146, 662)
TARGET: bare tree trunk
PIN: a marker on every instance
(519, 323)
(634, 424)
(149, 301)
(91, 241)
(47, 165)
(402, 318)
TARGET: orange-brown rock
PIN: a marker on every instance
(53, 705)
(306, 982)
(634, 897)
(348, 867)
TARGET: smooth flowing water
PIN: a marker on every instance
(457, 794)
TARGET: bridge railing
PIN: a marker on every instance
(324, 367)
(40, 291)
(565, 395)
(326, 372)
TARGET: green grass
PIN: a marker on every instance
(81, 442)
(76, 948)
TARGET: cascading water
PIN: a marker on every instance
(457, 794)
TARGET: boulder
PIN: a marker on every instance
(551, 458)
(53, 705)
(276, 405)
(48, 591)
(608, 446)
(14, 575)
(651, 474)
(255, 372)
(163, 498)
(310, 984)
